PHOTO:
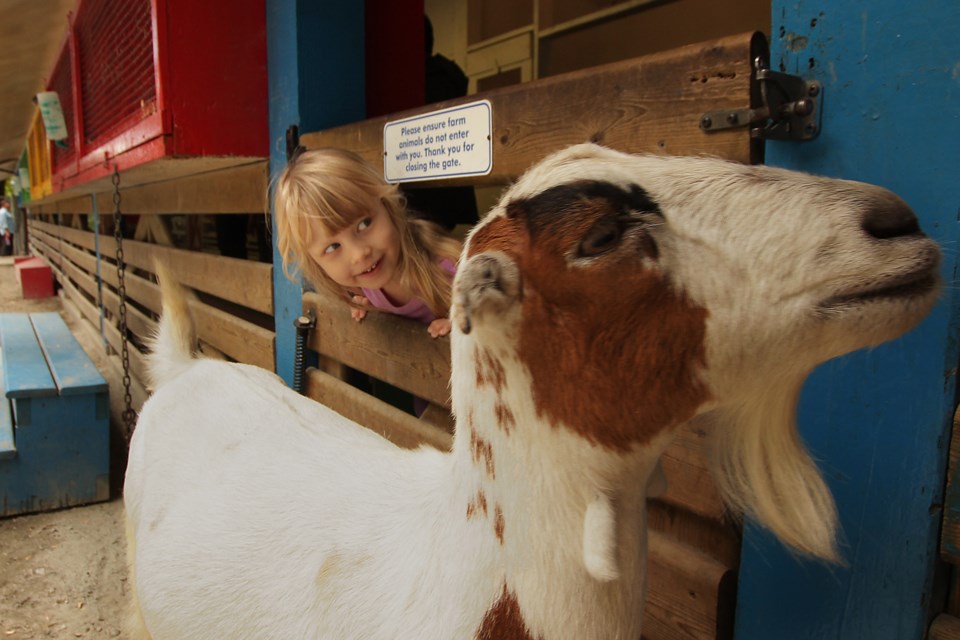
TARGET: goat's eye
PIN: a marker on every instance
(603, 237)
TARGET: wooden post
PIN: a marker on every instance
(877, 421)
(315, 66)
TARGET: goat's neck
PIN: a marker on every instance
(537, 488)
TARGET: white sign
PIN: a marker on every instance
(441, 144)
(52, 114)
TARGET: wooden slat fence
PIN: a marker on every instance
(650, 104)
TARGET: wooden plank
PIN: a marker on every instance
(719, 539)
(243, 282)
(950, 533)
(164, 171)
(25, 369)
(241, 189)
(397, 350)
(242, 340)
(72, 369)
(87, 315)
(393, 424)
(690, 595)
(138, 365)
(652, 103)
(689, 482)
(944, 627)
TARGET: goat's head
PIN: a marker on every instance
(641, 291)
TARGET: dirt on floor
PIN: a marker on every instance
(63, 573)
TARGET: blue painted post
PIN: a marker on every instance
(315, 64)
(877, 421)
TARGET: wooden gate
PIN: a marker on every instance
(652, 104)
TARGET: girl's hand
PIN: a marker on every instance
(439, 327)
(359, 301)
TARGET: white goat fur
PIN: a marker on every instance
(257, 513)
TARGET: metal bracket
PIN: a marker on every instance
(790, 111)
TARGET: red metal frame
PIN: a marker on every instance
(210, 77)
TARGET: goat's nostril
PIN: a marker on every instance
(891, 218)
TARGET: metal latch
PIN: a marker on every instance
(791, 108)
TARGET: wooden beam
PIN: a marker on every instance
(172, 185)
(653, 103)
(397, 350)
(691, 595)
(945, 627)
(243, 282)
(393, 424)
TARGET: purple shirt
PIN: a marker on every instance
(416, 308)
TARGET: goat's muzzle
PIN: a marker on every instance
(486, 283)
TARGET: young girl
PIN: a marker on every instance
(347, 229)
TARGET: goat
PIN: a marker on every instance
(606, 300)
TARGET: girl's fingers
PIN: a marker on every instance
(439, 327)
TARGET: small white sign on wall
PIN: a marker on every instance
(448, 143)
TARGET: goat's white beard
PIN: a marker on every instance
(764, 470)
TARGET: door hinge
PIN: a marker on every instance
(790, 108)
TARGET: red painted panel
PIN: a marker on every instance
(63, 159)
(114, 46)
(166, 78)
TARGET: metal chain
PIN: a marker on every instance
(129, 415)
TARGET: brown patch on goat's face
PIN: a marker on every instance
(501, 234)
(613, 350)
(504, 620)
(482, 453)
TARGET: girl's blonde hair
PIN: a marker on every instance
(336, 187)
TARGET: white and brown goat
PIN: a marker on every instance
(606, 300)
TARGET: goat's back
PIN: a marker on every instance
(250, 504)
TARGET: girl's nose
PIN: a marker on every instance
(360, 251)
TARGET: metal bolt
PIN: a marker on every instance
(803, 107)
(732, 118)
(706, 122)
(813, 90)
(810, 129)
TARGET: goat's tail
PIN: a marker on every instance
(764, 470)
(174, 345)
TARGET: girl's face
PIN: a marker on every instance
(362, 255)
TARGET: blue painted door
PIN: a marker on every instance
(877, 421)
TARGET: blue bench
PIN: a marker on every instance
(54, 418)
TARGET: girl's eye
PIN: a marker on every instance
(332, 247)
(363, 224)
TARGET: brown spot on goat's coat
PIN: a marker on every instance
(477, 505)
(498, 523)
(504, 620)
(505, 419)
(489, 370)
(600, 322)
(482, 453)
